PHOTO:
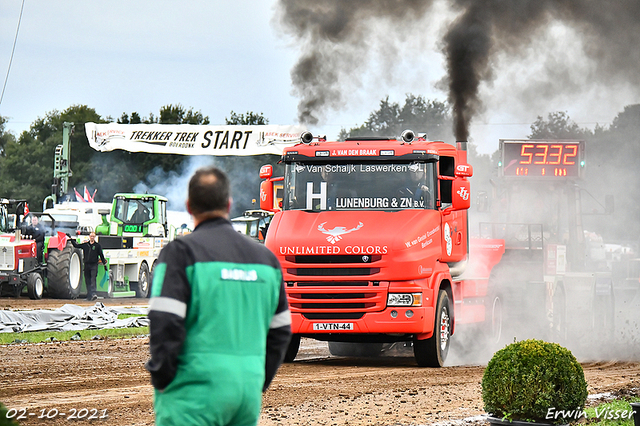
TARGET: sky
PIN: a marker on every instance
(217, 56)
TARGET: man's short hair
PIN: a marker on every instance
(208, 190)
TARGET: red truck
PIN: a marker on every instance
(372, 237)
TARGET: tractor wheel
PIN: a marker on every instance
(292, 349)
(35, 285)
(143, 285)
(432, 352)
(64, 270)
(355, 349)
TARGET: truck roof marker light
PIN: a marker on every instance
(387, 152)
(408, 136)
(306, 137)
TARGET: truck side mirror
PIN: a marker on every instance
(266, 194)
(460, 195)
(266, 171)
(464, 170)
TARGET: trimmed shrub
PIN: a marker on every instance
(4, 421)
(525, 380)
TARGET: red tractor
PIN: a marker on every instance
(19, 265)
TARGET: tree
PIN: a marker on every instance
(557, 126)
(250, 118)
(5, 137)
(611, 169)
(417, 113)
(26, 171)
(176, 114)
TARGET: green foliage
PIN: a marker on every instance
(5, 138)
(176, 114)
(614, 413)
(417, 113)
(557, 126)
(525, 379)
(250, 118)
(26, 169)
(4, 421)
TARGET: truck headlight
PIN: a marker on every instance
(404, 299)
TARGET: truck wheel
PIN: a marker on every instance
(292, 350)
(143, 285)
(432, 352)
(35, 286)
(355, 349)
(64, 270)
(110, 285)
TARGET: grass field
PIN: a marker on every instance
(48, 336)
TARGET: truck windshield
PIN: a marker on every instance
(130, 210)
(362, 186)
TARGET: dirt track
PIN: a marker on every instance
(108, 376)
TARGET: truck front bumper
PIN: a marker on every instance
(393, 320)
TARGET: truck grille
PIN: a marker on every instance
(335, 286)
(334, 298)
(328, 272)
(7, 261)
(333, 265)
(332, 258)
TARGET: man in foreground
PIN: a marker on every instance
(219, 319)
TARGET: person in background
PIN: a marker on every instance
(36, 231)
(92, 255)
(219, 318)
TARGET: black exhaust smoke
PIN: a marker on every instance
(335, 40)
(335, 37)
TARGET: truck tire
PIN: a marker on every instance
(292, 349)
(110, 286)
(143, 285)
(355, 349)
(35, 286)
(432, 352)
(64, 270)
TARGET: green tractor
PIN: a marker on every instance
(140, 215)
(131, 240)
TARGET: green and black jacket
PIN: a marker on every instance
(218, 310)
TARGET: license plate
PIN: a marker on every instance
(330, 326)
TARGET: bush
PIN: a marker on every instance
(4, 421)
(524, 380)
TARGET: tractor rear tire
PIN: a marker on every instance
(35, 286)
(64, 270)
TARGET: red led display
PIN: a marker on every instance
(542, 159)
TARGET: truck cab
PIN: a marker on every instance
(138, 215)
(371, 234)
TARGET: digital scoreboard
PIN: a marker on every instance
(542, 159)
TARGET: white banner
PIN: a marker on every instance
(189, 139)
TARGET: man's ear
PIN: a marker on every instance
(186, 203)
(229, 205)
